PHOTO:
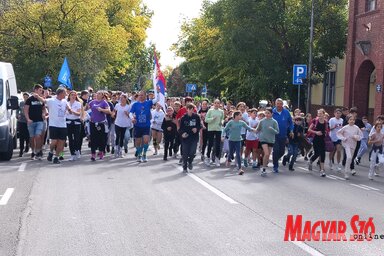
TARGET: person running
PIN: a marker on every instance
(284, 120)
(190, 125)
(98, 125)
(214, 119)
(141, 119)
(34, 111)
(157, 131)
(242, 107)
(376, 139)
(111, 124)
(57, 107)
(73, 119)
(169, 129)
(22, 127)
(364, 141)
(252, 140)
(293, 145)
(204, 131)
(267, 128)
(122, 123)
(234, 128)
(319, 128)
(349, 135)
(335, 124)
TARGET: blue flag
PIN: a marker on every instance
(65, 74)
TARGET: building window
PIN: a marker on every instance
(329, 88)
(371, 5)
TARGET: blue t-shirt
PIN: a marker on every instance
(142, 111)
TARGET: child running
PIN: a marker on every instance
(376, 139)
(267, 128)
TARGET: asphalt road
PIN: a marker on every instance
(121, 207)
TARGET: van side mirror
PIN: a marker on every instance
(13, 103)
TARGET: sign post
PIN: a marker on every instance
(299, 73)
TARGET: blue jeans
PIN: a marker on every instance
(292, 152)
(234, 146)
(278, 151)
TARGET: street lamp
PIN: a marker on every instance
(308, 108)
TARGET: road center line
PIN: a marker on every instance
(8, 193)
(212, 189)
(376, 189)
(22, 167)
(312, 251)
(336, 177)
(359, 186)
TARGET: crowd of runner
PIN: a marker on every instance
(242, 135)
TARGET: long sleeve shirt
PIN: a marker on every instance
(187, 123)
(349, 135)
(267, 128)
(234, 129)
(214, 118)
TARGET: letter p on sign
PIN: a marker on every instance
(299, 73)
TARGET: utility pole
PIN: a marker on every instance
(308, 109)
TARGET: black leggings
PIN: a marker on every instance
(319, 148)
(74, 137)
(214, 139)
(120, 134)
(98, 138)
(23, 135)
(204, 137)
(168, 146)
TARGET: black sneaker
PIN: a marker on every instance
(113, 150)
(181, 161)
(108, 149)
(56, 160)
(165, 158)
(26, 149)
(33, 156)
(190, 166)
(126, 151)
(185, 170)
(21, 154)
(61, 158)
(50, 156)
(291, 169)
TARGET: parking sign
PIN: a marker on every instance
(299, 73)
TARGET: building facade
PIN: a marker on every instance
(364, 75)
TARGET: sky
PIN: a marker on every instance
(165, 26)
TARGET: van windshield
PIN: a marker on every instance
(1, 92)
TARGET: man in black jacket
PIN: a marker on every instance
(189, 131)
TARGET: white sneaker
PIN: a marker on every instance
(346, 176)
(370, 176)
(217, 162)
(78, 155)
(330, 165)
(339, 167)
(207, 162)
(72, 158)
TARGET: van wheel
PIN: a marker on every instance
(8, 155)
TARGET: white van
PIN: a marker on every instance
(9, 103)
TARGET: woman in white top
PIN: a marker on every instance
(156, 122)
(73, 119)
(122, 123)
(349, 135)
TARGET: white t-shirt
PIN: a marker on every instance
(157, 119)
(122, 120)
(252, 135)
(57, 112)
(245, 119)
(76, 107)
(337, 124)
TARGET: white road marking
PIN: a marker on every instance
(212, 189)
(312, 251)
(302, 168)
(22, 167)
(355, 185)
(336, 177)
(6, 196)
(329, 177)
(369, 187)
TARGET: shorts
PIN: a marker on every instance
(267, 143)
(57, 133)
(251, 145)
(142, 131)
(36, 129)
(156, 130)
(338, 142)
